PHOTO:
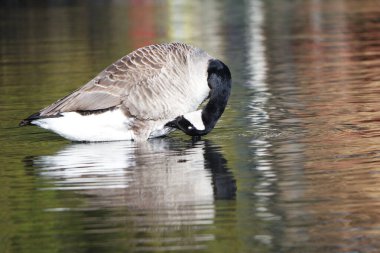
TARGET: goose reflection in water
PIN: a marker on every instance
(159, 174)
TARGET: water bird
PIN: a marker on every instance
(148, 93)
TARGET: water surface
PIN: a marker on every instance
(292, 166)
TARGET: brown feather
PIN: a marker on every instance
(145, 83)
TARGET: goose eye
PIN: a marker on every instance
(189, 127)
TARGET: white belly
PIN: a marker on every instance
(108, 126)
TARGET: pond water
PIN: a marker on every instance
(292, 166)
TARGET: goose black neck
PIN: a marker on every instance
(219, 81)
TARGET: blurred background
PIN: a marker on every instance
(292, 166)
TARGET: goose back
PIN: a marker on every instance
(152, 83)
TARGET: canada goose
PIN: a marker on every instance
(147, 93)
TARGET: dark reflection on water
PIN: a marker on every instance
(292, 166)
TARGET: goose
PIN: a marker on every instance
(148, 93)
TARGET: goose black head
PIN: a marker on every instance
(201, 122)
(190, 123)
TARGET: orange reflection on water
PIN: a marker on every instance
(143, 29)
(336, 53)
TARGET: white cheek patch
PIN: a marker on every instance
(195, 118)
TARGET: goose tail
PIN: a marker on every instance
(28, 120)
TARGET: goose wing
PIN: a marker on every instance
(148, 83)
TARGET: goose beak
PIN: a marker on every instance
(173, 123)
